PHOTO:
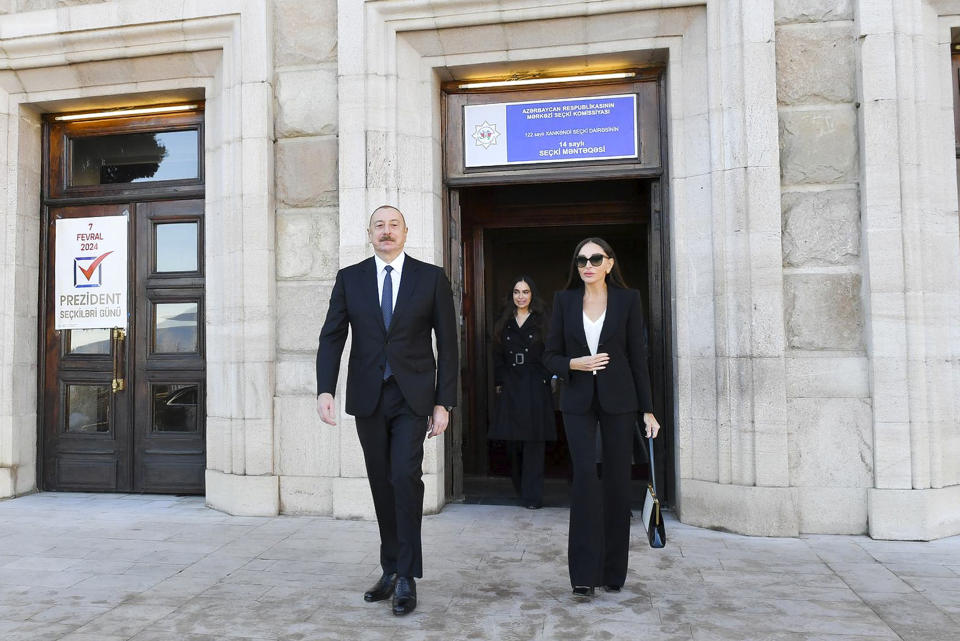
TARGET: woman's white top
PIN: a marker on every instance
(592, 329)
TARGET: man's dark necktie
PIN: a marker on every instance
(386, 308)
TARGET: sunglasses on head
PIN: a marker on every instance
(596, 260)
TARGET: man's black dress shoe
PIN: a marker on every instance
(584, 591)
(382, 590)
(611, 588)
(405, 596)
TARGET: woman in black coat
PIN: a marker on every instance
(524, 412)
(597, 344)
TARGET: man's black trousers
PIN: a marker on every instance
(392, 441)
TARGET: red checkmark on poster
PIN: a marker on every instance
(88, 272)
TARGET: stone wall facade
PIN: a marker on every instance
(815, 251)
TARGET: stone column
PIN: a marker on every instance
(911, 258)
(7, 332)
(750, 492)
(241, 278)
(830, 427)
(19, 305)
(308, 452)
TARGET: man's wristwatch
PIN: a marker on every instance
(449, 408)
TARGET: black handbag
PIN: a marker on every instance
(652, 518)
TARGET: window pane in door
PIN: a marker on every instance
(134, 158)
(87, 408)
(88, 341)
(175, 328)
(176, 245)
(175, 407)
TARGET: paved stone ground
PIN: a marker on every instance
(82, 567)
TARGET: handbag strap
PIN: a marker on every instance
(653, 473)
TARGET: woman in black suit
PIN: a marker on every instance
(524, 415)
(597, 344)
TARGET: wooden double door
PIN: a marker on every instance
(123, 410)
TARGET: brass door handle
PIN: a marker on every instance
(118, 337)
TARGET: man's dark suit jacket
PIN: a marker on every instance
(624, 385)
(424, 302)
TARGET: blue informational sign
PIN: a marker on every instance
(548, 131)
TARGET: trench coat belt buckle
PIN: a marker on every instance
(518, 358)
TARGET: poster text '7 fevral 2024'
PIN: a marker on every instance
(90, 290)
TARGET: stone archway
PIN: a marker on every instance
(723, 182)
(108, 55)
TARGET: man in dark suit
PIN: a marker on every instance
(395, 389)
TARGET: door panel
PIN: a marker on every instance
(147, 435)
(170, 389)
(86, 432)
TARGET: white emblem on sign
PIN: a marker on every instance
(486, 134)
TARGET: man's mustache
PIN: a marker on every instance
(382, 238)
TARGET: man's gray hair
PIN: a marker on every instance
(370, 221)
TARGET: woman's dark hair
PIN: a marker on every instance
(509, 309)
(614, 278)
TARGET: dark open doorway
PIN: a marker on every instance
(533, 229)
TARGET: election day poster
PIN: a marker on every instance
(90, 290)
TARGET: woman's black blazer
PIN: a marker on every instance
(624, 385)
